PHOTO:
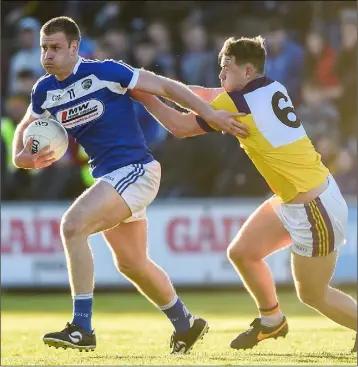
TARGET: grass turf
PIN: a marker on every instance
(131, 331)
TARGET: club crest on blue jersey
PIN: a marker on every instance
(86, 84)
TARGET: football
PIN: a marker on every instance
(47, 132)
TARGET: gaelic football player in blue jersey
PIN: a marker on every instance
(90, 98)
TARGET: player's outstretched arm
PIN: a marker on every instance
(22, 156)
(158, 85)
(208, 94)
(181, 125)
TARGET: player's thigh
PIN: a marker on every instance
(262, 234)
(128, 243)
(98, 208)
(312, 275)
(318, 229)
(114, 198)
(137, 184)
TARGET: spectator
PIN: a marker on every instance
(198, 61)
(158, 32)
(171, 11)
(12, 12)
(153, 132)
(347, 72)
(144, 55)
(63, 179)
(4, 167)
(118, 43)
(28, 56)
(24, 81)
(295, 15)
(210, 14)
(184, 179)
(107, 14)
(15, 180)
(326, 68)
(58, 181)
(330, 12)
(101, 51)
(346, 175)
(87, 45)
(285, 59)
(237, 175)
(320, 59)
(317, 113)
(328, 147)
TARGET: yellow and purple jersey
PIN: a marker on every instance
(278, 144)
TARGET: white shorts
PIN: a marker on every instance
(318, 227)
(138, 184)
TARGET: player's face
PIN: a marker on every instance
(56, 53)
(234, 76)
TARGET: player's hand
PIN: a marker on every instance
(227, 123)
(41, 159)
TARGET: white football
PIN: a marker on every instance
(45, 132)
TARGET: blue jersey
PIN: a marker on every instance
(94, 106)
(153, 131)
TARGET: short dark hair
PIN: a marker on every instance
(64, 25)
(246, 50)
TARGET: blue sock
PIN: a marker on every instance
(82, 311)
(178, 314)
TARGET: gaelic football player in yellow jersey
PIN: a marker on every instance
(307, 209)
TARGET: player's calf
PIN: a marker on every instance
(129, 246)
(311, 296)
(312, 277)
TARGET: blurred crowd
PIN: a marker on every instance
(312, 50)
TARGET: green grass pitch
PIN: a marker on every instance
(131, 331)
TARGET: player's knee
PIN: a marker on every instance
(132, 268)
(237, 254)
(311, 296)
(69, 227)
